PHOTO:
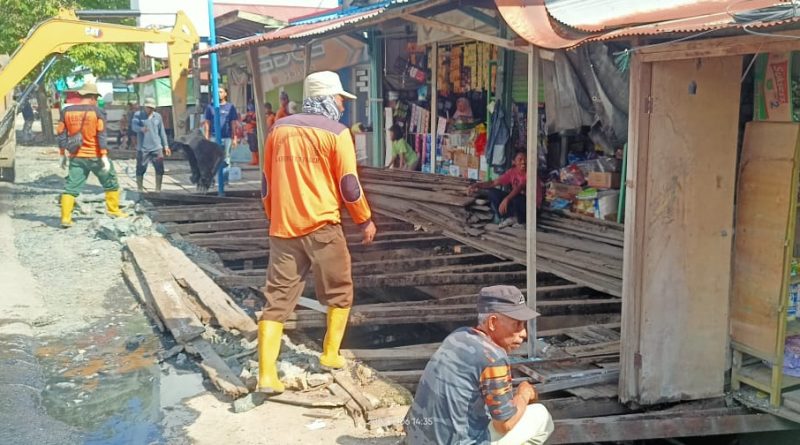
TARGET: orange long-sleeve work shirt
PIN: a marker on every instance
(92, 126)
(310, 169)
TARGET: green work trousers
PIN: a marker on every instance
(78, 173)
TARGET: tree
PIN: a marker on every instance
(19, 16)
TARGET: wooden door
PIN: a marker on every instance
(680, 228)
(762, 249)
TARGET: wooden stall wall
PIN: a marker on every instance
(680, 228)
(762, 230)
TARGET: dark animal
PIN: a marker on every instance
(204, 158)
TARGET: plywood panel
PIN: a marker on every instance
(687, 229)
(762, 224)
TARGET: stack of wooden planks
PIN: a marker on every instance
(182, 299)
(583, 250)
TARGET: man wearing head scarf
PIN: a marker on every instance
(309, 172)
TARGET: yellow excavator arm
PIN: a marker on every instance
(58, 34)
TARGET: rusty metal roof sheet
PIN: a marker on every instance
(575, 22)
(604, 15)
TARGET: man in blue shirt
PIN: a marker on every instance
(465, 395)
(229, 120)
(149, 128)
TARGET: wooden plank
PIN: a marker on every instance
(348, 384)
(576, 407)
(688, 227)
(214, 226)
(216, 369)
(783, 41)
(632, 427)
(353, 409)
(161, 288)
(206, 215)
(611, 347)
(226, 312)
(131, 278)
(635, 205)
(599, 391)
(561, 385)
(415, 195)
(593, 334)
(762, 224)
(397, 280)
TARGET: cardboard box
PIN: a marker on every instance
(556, 190)
(465, 162)
(603, 180)
(775, 73)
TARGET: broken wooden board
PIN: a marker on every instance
(226, 312)
(161, 288)
(216, 369)
(132, 280)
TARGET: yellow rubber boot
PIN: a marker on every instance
(337, 323)
(269, 346)
(112, 204)
(67, 204)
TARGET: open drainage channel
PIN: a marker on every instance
(107, 383)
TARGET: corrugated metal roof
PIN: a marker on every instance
(577, 22)
(604, 15)
(319, 26)
(293, 32)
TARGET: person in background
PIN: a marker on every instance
(510, 207)
(91, 157)
(28, 117)
(465, 394)
(133, 142)
(153, 145)
(462, 115)
(229, 121)
(310, 173)
(403, 156)
(251, 132)
(283, 107)
(269, 116)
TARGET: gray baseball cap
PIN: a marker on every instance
(506, 300)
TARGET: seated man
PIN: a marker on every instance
(510, 205)
(465, 393)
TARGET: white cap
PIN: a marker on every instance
(324, 83)
(149, 102)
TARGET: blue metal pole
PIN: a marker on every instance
(212, 40)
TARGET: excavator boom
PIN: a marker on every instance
(58, 34)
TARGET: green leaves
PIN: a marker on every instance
(19, 16)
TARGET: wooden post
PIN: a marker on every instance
(530, 188)
(307, 59)
(434, 102)
(258, 92)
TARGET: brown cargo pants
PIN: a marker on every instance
(324, 251)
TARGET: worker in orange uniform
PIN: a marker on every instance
(309, 170)
(283, 108)
(85, 153)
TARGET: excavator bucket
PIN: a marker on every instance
(204, 156)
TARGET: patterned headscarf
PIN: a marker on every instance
(324, 105)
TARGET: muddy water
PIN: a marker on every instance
(106, 383)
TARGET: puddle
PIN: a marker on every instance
(106, 382)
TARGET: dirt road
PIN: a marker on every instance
(77, 354)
